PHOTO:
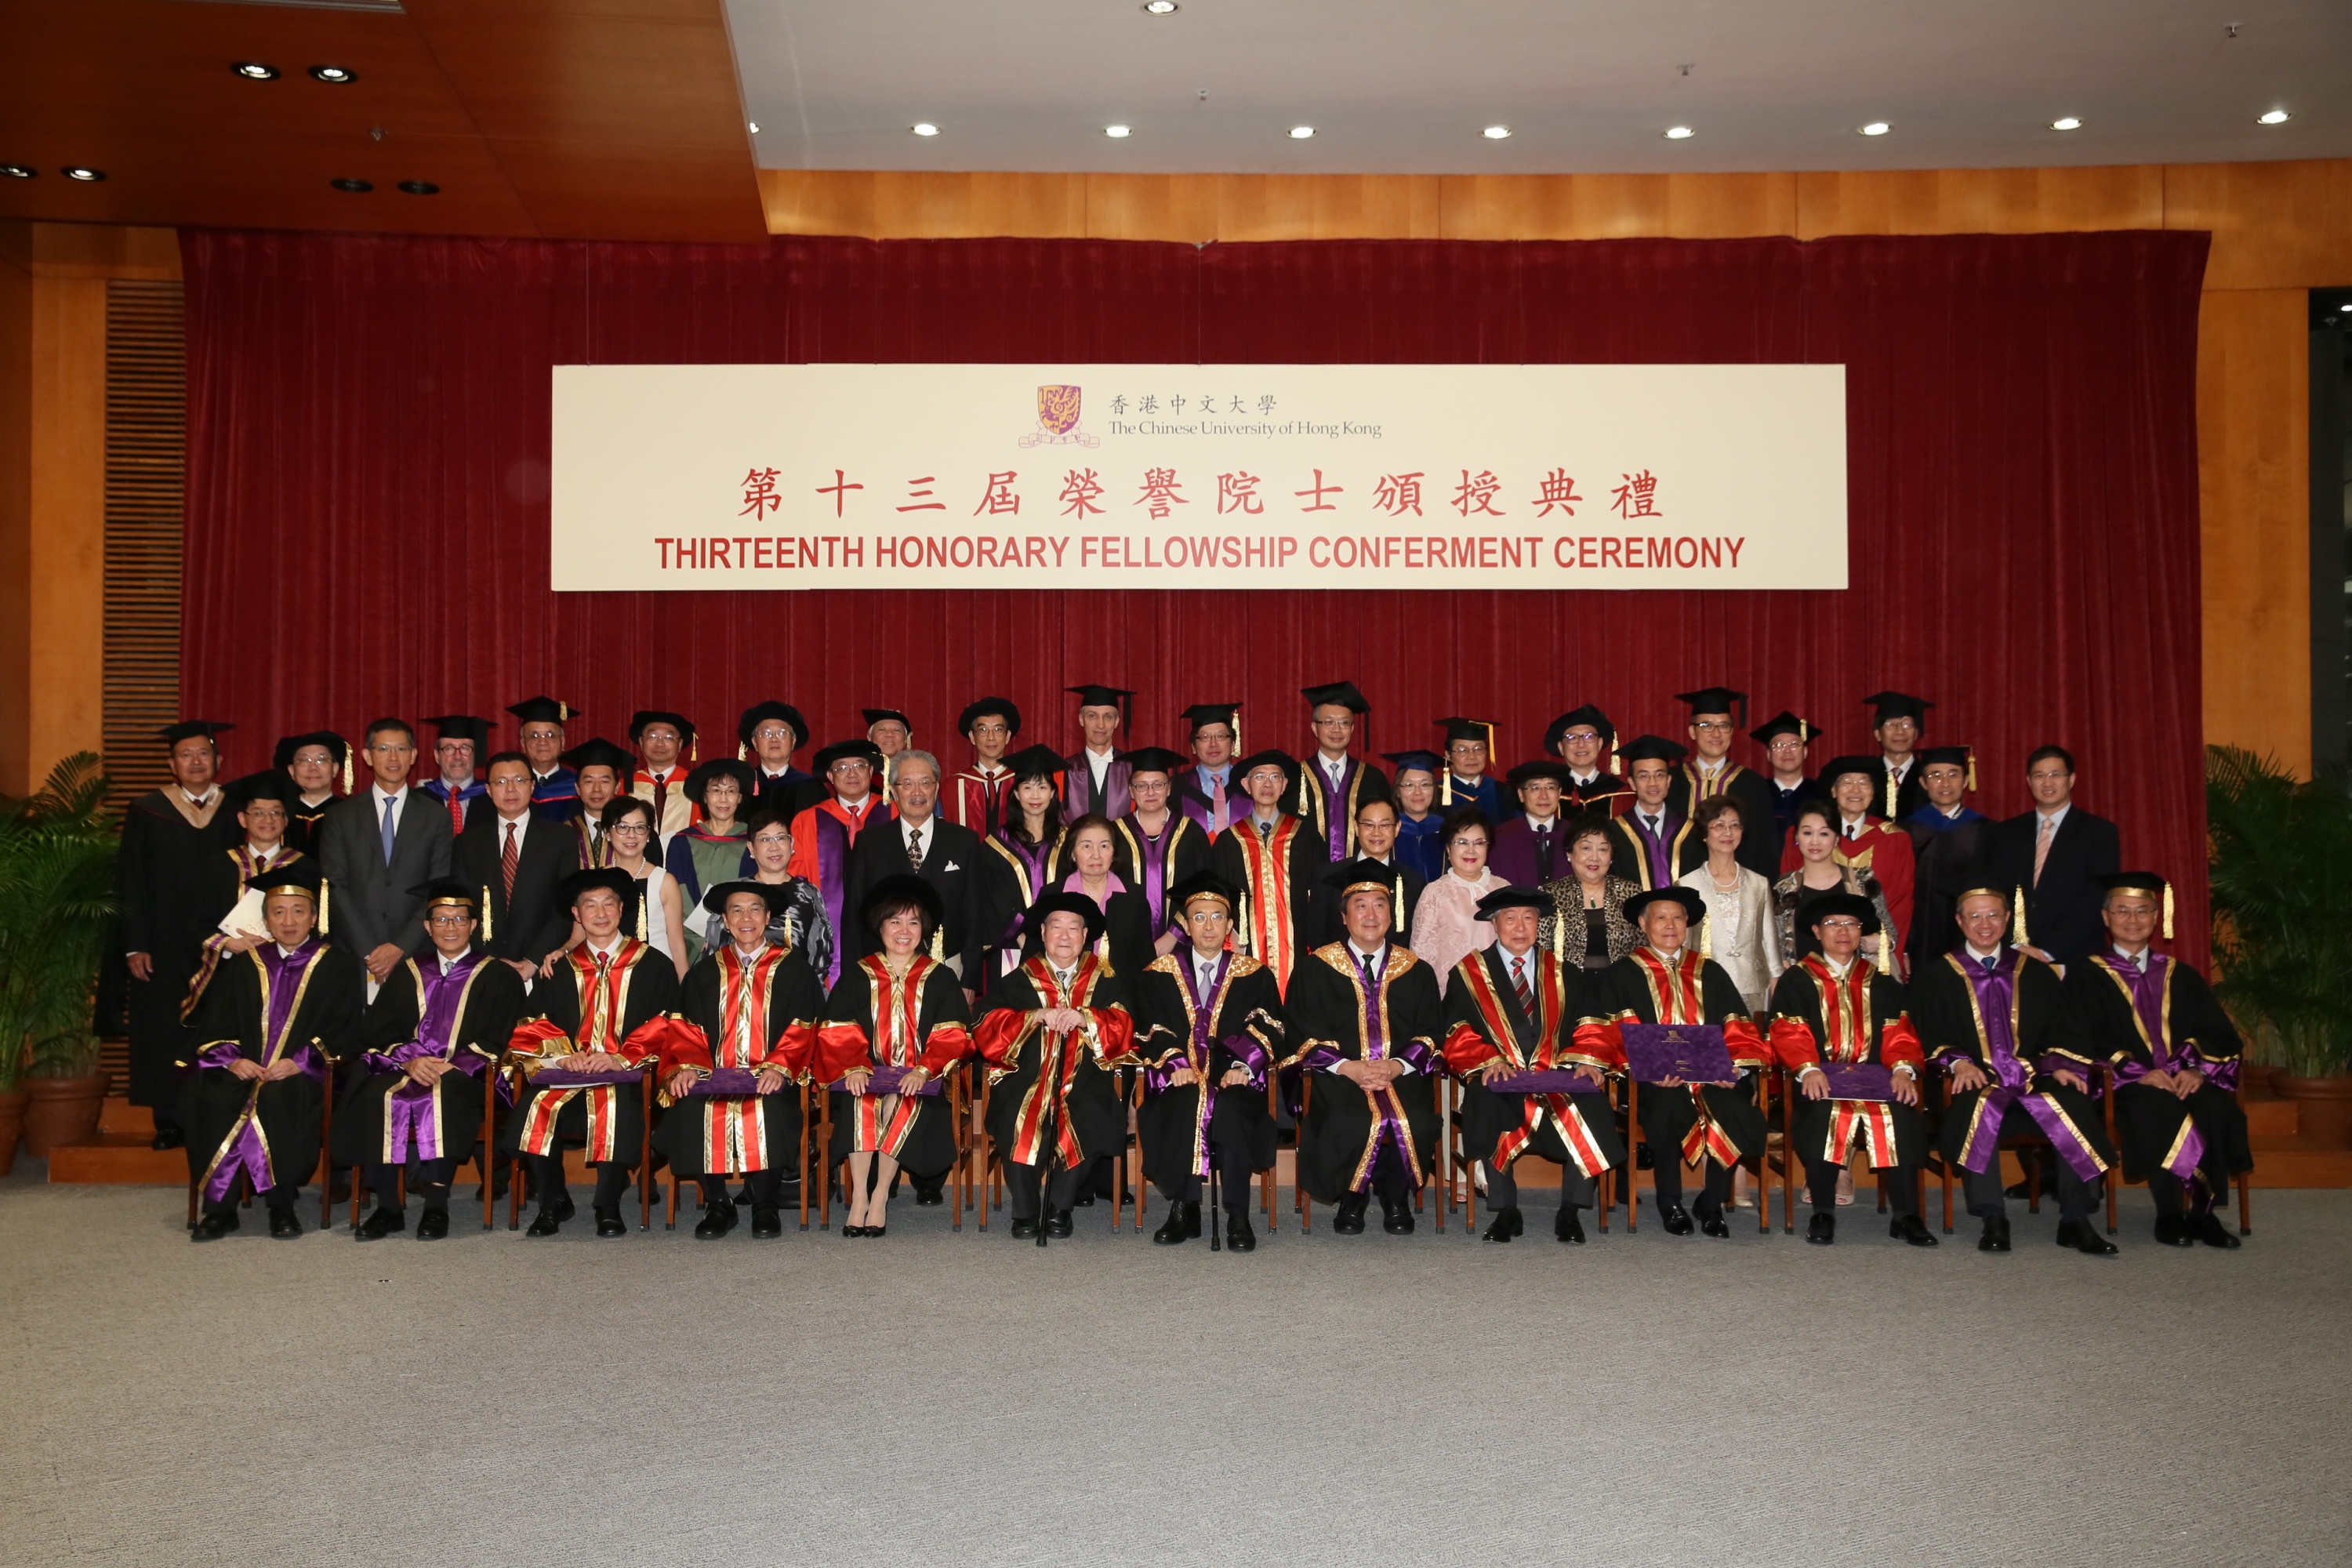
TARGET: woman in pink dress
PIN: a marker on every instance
(1445, 924)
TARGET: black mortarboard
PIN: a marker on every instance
(2147, 884)
(1270, 758)
(1349, 876)
(612, 879)
(1094, 696)
(1204, 885)
(1585, 714)
(1426, 762)
(542, 710)
(698, 781)
(211, 730)
(1900, 705)
(1470, 730)
(1871, 768)
(642, 717)
(1715, 699)
(715, 901)
(903, 888)
(1342, 692)
(1512, 898)
(1651, 749)
(1033, 920)
(1036, 763)
(1229, 714)
(270, 784)
(1783, 723)
(841, 751)
(449, 890)
(1688, 898)
(974, 712)
(1950, 756)
(337, 747)
(461, 727)
(1152, 759)
(301, 875)
(1528, 772)
(1854, 906)
(878, 715)
(599, 753)
(753, 717)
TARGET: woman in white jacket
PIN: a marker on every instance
(1740, 933)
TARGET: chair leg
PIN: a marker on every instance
(191, 1203)
(669, 1215)
(330, 1196)
(1607, 1195)
(2245, 1209)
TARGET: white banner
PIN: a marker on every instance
(1227, 475)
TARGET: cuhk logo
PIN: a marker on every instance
(1057, 419)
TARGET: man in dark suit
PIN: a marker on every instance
(518, 860)
(944, 854)
(2054, 855)
(378, 849)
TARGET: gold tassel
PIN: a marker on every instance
(939, 949)
(1244, 933)
(1446, 785)
(1891, 784)
(1616, 768)
(2167, 912)
(1396, 900)
(485, 912)
(1705, 939)
(1972, 770)
(1303, 808)
(347, 769)
(742, 752)
(562, 712)
(693, 752)
(644, 894)
(323, 905)
(2017, 914)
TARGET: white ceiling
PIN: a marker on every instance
(1406, 86)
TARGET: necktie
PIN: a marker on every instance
(1543, 852)
(1853, 832)
(1991, 963)
(1265, 833)
(507, 861)
(457, 811)
(2042, 847)
(1372, 977)
(915, 848)
(1520, 984)
(389, 826)
(1208, 981)
(661, 798)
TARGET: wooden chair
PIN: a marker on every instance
(676, 1182)
(1265, 1185)
(644, 1153)
(984, 1161)
(326, 1167)
(1304, 1206)
(2017, 1143)
(2107, 1087)
(481, 1153)
(1755, 1163)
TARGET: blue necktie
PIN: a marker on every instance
(387, 829)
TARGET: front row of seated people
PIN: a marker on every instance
(1352, 1053)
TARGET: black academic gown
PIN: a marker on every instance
(795, 1006)
(1244, 1029)
(1011, 1050)
(1943, 1009)
(847, 1041)
(1797, 998)
(492, 1001)
(1482, 1027)
(1362, 782)
(652, 992)
(165, 876)
(2148, 1119)
(1945, 864)
(1012, 877)
(1302, 867)
(1181, 850)
(1629, 855)
(1326, 1006)
(1406, 886)
(1759, 835)
(233, 1019)
(1621, 994)
(303, 820)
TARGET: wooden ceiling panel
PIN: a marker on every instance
(564, 118)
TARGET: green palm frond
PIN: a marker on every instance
(57, 899)
(2280, 872)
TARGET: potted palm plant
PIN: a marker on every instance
(2282, 883)
(57, 898)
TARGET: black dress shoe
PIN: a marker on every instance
(1912, 1231)
(1568, 1227)
(2084, 1237)
(213, 1225)
(1995, 1238)
(2020, 1190)
(1396, 1216)
(167, 1137)
(2213, 1232)
(548, 1223)
(767, 1222)
(1502, 1230)
(1184, 1225)
(1239, 1236)
(283, 1225)
(1084, 1200)
(433, 1225)
(609, 1225)
(852, 1232)
(1821, 1230)
(2175, 1230)
(877, 1232)
(716, 1220)
(1025, 1230)
(1347, 1216)
(1675, 1218)
(565, 1208)
(1715, 1225)
(379, 1224)
(928, 1196)
(1059, 1223)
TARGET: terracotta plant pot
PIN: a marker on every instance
(12, 1122)
(2323, 1107)
(62, 1110)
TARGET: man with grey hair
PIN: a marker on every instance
(920, 841)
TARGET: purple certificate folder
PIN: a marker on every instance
(565, 1078)
(885, 1081)
(1693, 1053)
(1859, 1081)
(728, 1081)
(1546, 1082)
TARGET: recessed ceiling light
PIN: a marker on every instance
(2066, 122)
(754, 125)
(2275, 116)
(1876, 128)
(254, 71)
(1496, 133)
(1118, 133)
(924, 129)
(1301, 132)
(420, 187)
(1160, 8)
(353, 185)
(1679, 132)
(86, 176)
(19, 171)
(336, 76)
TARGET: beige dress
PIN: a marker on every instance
(1445, 930)
(1740, 933)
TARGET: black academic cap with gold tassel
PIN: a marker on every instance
(2148, 885)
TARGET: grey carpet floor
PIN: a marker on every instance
(930, 1398)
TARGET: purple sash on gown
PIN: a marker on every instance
(246, 1150)
(412, 1111)
(2012, 1080)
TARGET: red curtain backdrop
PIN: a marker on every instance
(368, 521)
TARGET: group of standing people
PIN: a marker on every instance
(1277, 943)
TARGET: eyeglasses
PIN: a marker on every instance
(1712, 727)
(773, 840)
(1838, 925)
(1466, 841)
(451, 919)
(632, 828)
(1583, 737)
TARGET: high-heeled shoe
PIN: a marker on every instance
(853, 1231)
